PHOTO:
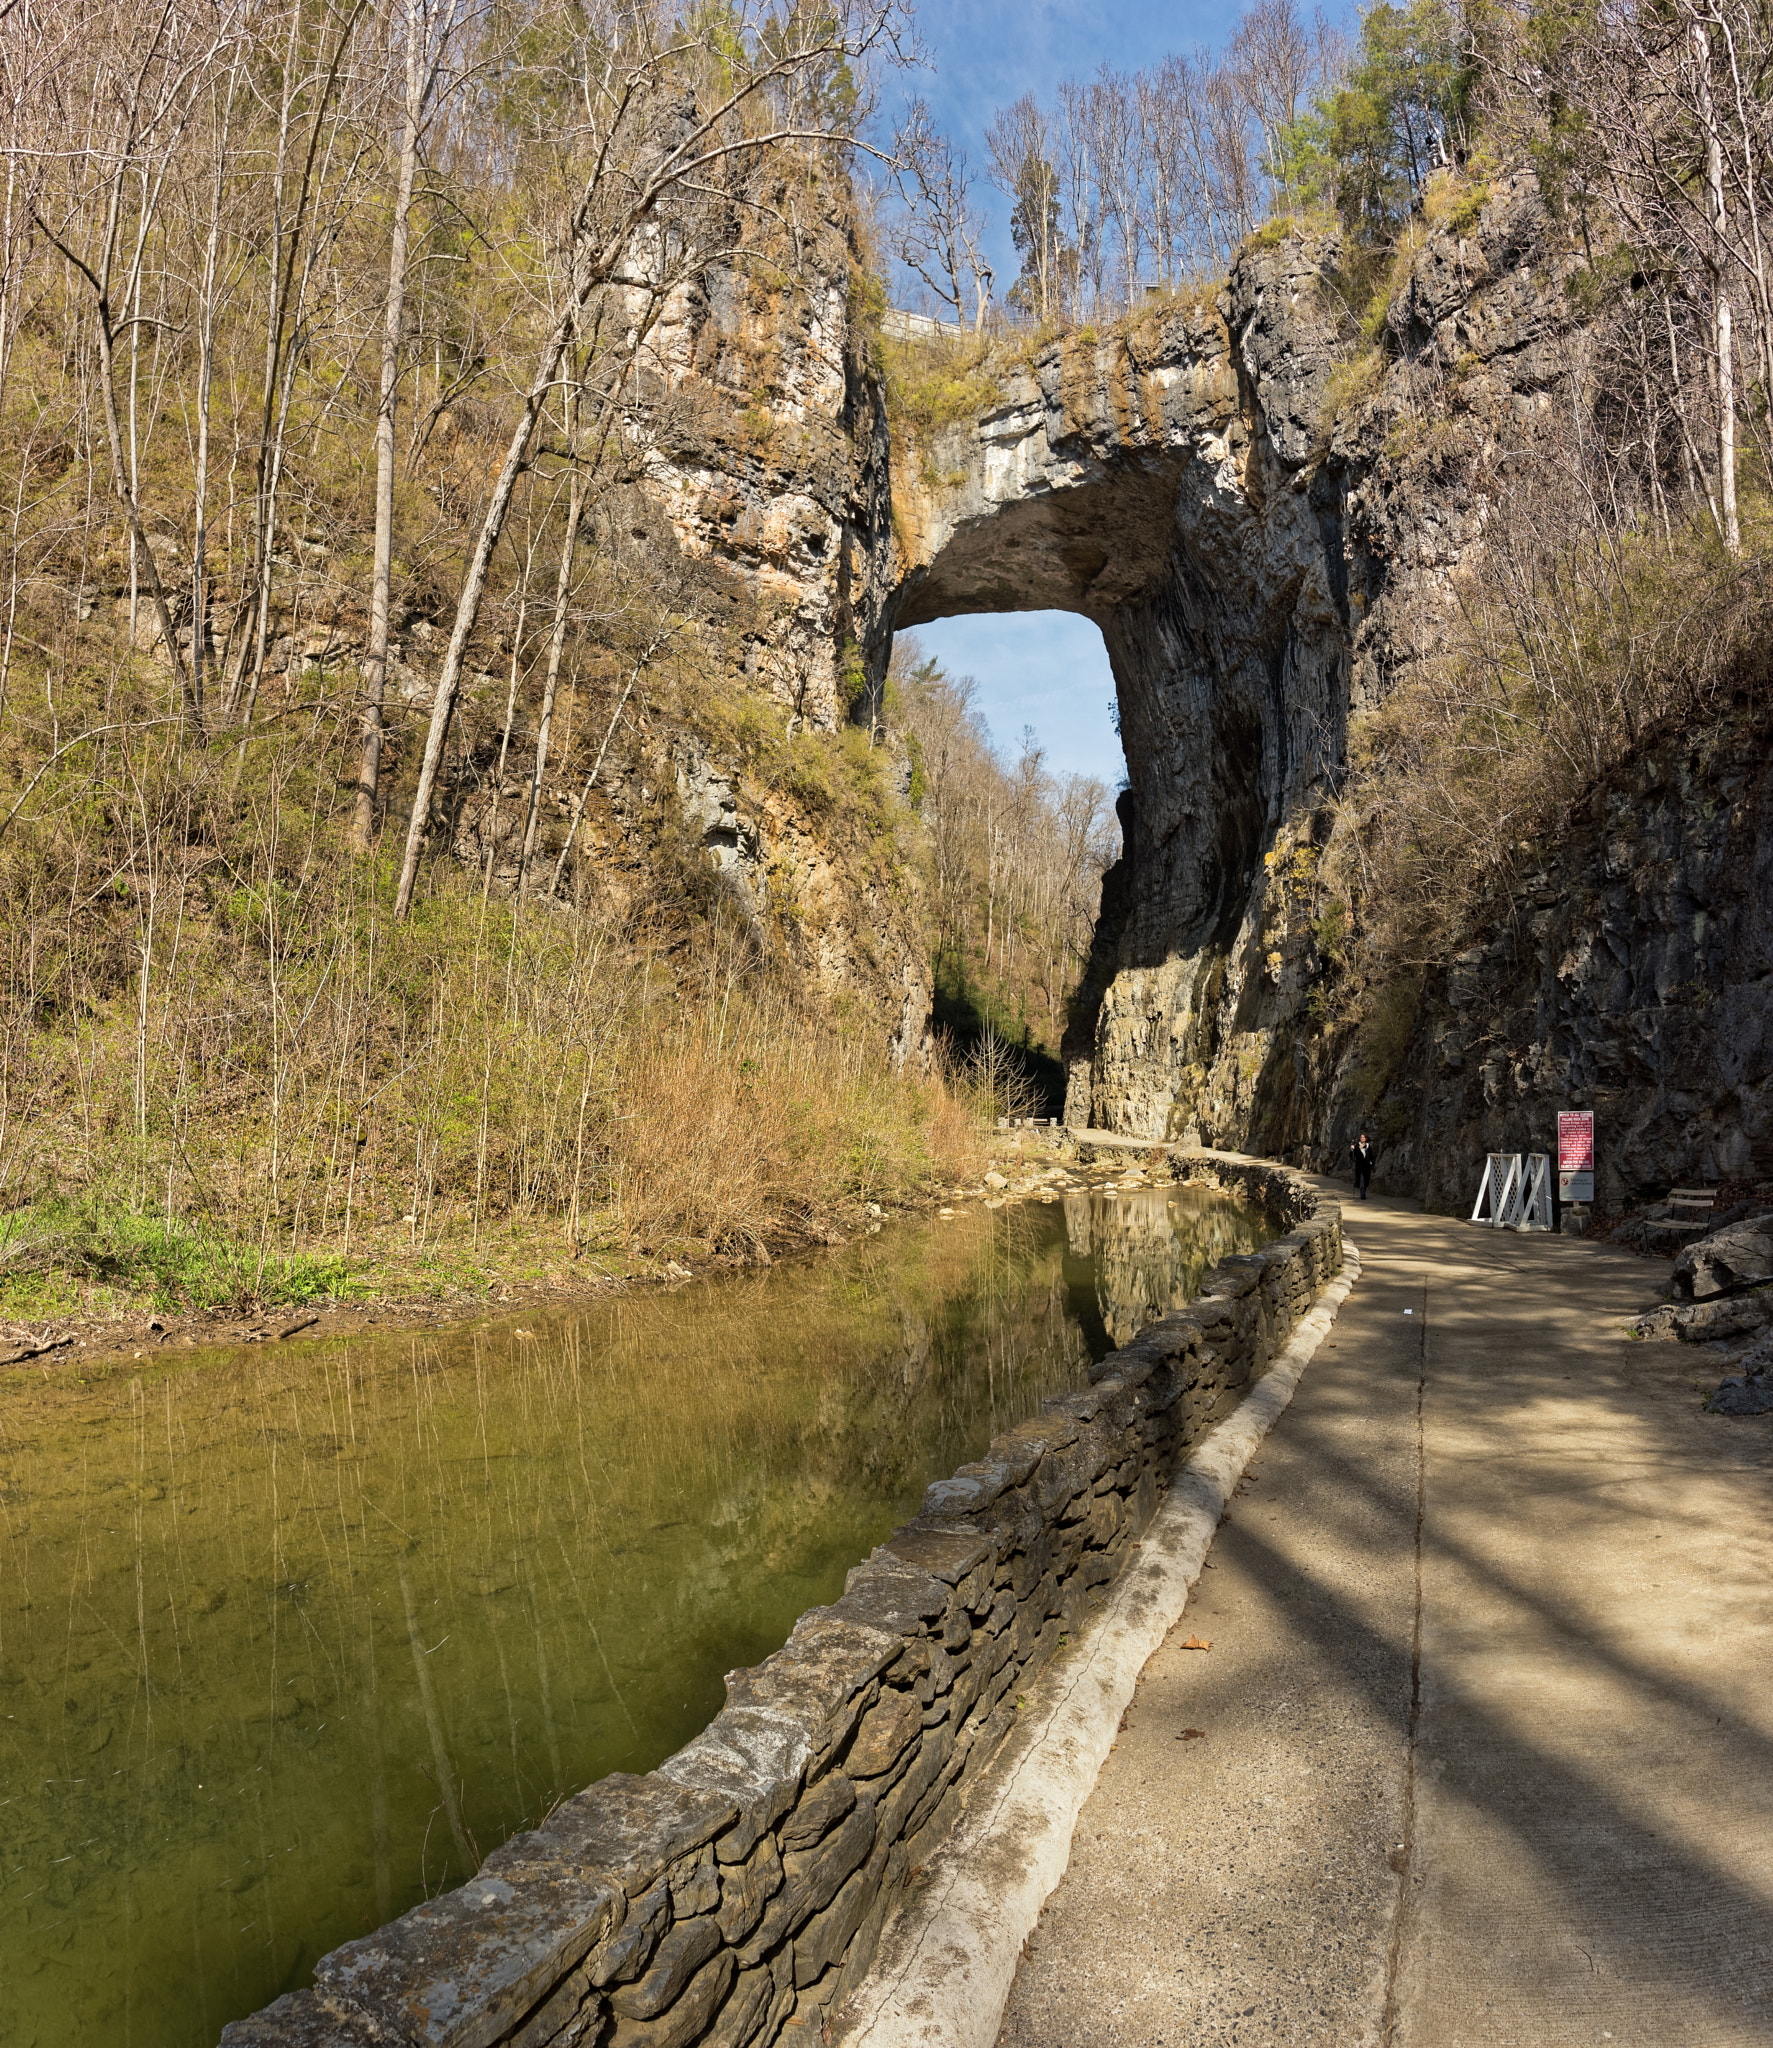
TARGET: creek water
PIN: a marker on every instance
(291, 1636)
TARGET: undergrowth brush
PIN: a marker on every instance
(228, 1076)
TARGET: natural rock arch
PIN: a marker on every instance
(1261, 556)
(1169, 485)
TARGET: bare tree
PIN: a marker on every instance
(1162, 172)
(1654, 122)
(1271, 66)
(939, 235)
(1019, 155)
(431, 28)
(307, 137)
(144, 88)
(653, 150)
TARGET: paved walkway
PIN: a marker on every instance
(1487, 1748)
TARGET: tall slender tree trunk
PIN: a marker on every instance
(206, 323)
(1722, 326)
(131, 511)
(575, 512)
(492, 526)
(375, 664)
(251, 651)
(1727, 422)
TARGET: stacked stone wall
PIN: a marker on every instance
(736, 1895)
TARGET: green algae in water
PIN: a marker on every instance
(289, 1639)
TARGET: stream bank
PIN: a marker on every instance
(739, 1892)
(1020, 1166)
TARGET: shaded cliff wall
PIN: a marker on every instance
(763, 492)
(1632, 975)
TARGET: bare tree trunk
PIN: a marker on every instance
(575, 512)
(206, 320)
(1721, 320)
(287, 243)
(492, 526)
(1727, 422)
(584, 797)
(1697, 480)
(375, 663)
(492, 836)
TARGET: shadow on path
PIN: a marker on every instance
(1580, 1848)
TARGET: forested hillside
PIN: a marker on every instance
(457, 805)
(355, 696)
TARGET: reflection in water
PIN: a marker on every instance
(289, 1639)
(1143, 1254)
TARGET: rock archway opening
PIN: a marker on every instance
(1143, 488)
(1013, 729)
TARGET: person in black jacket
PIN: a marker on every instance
(1363, 1153)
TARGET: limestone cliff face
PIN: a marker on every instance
(767, 451)
(1258, 572)
(1162, 484)
(1633, 976)
(1265, 520)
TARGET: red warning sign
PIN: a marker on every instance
(1575, 1141)
(1575, 1155)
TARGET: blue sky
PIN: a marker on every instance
(986, 53)
(1044, 669)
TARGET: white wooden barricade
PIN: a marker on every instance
(1519, 1197)
(1501, 1188)
(1536, 1202)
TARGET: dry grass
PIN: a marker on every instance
(226, 1074)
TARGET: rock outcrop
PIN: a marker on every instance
(1265, 516)
(1630, 977)
(1260, 568)
(1167, 484)
(1738, 1256)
